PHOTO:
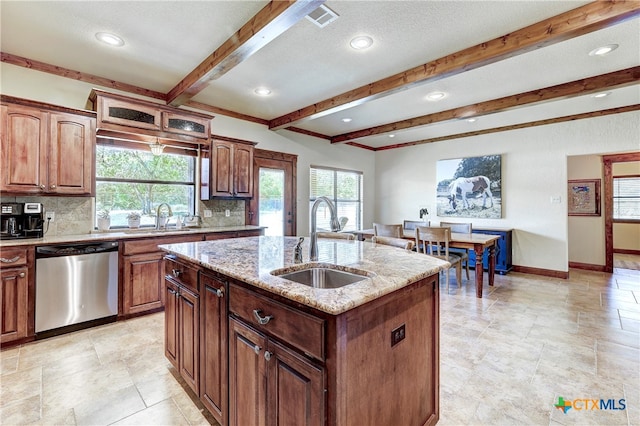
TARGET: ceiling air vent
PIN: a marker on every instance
(322, 16)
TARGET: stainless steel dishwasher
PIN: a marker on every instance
(76, 284)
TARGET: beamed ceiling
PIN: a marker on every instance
(507, 65)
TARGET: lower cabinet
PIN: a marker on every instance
(214, 346)
(280, 386)
(182, 332)
(142, 283)
(16, 286)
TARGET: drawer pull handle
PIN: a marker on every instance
(256, 349)
(267, 355)
(220, 292)
(261, 320)
(176, 272)
(13, 260)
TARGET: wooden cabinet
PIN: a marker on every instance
(214, 384)
(281, 387)
(503, 250)
(182, 322)
(47, 152)
(230, 171)
(143, 273)
(122, 114)
(285, 386)
(233, 234)
(16, 273)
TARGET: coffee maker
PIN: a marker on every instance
(21, 220)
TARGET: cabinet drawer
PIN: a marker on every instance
(181, 273)
(294, 327)
(149, 245)
(11, 257)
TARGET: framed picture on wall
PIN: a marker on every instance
(583, 197)
(470, 187)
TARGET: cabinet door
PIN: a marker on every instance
(171, 323)
(71, 154)
(14, 301)
(214, 382)
(295, 389)
(221, 169)
(142, 283)
(129, 114)
(189, 338)
(243, 170)
(247, 384)
(23, 150)
(185, 125)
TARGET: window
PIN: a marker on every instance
(344, 188)
(626, 198)
(134, 180)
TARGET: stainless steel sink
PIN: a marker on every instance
(323, 276)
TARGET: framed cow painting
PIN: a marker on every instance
(470, 187)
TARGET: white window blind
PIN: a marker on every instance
(344, 188)
(626, 198)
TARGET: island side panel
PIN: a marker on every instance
(375, 382)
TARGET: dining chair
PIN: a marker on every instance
(336, 235)
(413, 224)
(382, 230)
(435, 242)
(395, 242)
(460, 228)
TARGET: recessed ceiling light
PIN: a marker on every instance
(110, 39)
(436, 96)
(361, 42)
(262, 91)
(601, 95)
(471, 120)
(347, 119)
(603, 50)
(392, 135)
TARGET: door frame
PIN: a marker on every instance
(252, 204)
(607, 162)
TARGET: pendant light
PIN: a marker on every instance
(156, 148)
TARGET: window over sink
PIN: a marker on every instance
(344, 188)
(133, 180)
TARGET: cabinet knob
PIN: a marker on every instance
(267, 355)
(220, 292)
(53, 187)
(12, 260)
(261, 320)
(42, 187)
(21, 274)
(256, 349)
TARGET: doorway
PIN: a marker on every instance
(274, 201)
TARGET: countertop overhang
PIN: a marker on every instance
(252, 259)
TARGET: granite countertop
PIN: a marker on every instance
(252, 259)
(121, 235)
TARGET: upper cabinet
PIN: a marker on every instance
(122, 115)
(229, 172)
(46, 150)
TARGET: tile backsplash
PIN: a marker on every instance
(75, 215)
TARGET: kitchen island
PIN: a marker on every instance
(257, 348)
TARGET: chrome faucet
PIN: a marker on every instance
(158, 215)
(335, 225)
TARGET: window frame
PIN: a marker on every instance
(614, 198)
(334, 196)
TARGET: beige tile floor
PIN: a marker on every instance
(505, 359)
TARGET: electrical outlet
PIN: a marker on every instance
(208, 213)
(397, 335)
(227, 213)
(51, 216)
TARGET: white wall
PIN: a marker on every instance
(586, 233)
(534, 169)
(24, 83)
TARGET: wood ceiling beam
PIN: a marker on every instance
(592, 114)
(591, 17)
(77, 75)
(210, 108)
(627, 77)
(273, 20)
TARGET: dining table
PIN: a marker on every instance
(476, 242)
